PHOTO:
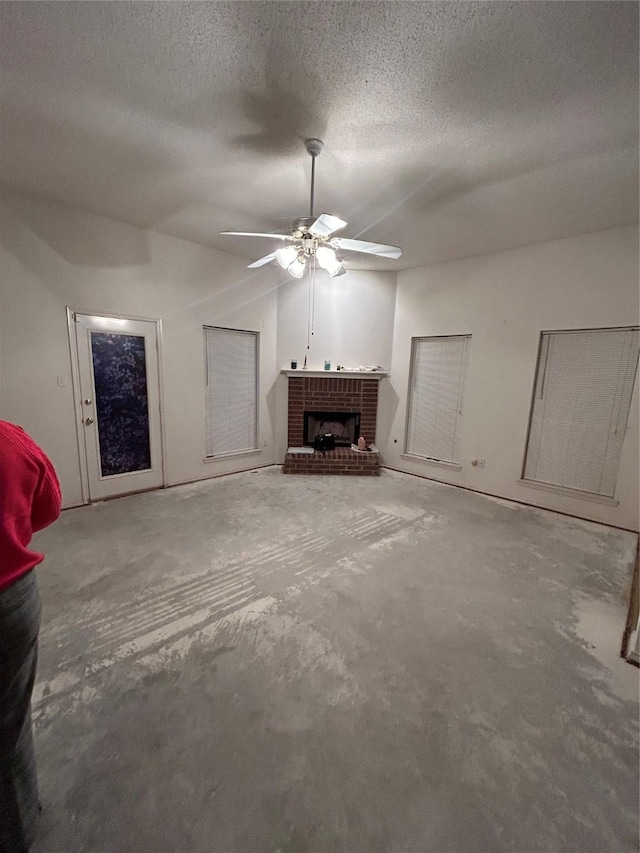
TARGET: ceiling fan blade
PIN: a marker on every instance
(368, 248)
(262, 261)
(258, 234)
(326, 224)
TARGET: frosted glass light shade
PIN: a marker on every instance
(328, 261)
(297, 268)
(286, 256)
(326, 257)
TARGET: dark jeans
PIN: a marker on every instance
(19, 626)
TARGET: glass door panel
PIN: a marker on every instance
(122, 405)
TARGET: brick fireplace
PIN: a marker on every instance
(332, 395)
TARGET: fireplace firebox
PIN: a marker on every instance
(344, 426)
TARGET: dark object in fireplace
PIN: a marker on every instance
(324, 442)
(343, 426)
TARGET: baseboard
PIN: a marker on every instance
(512, 500)
(223, 474)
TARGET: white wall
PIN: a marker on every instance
(353, 319)
(54, 256)
(505, 300)
(353, 326)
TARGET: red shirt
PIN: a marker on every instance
(29, 500)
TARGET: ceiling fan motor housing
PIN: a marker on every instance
(302, 225)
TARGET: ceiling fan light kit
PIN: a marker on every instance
(313, 239)
(328, 260)
(296, 269)
(286, 256)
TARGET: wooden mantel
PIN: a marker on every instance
(343, 374)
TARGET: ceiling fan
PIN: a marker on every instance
(314, 238)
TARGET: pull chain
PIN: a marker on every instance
(313, 297)
(309, 315)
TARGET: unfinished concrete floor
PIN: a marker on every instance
(270, 664)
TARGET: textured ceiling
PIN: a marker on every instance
(451, 129)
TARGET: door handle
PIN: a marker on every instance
(88, 421)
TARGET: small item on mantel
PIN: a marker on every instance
(304, 366)
(362, 444)
(365, 368)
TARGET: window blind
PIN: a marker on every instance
(580, 408)
(230, 390)
(435, 404)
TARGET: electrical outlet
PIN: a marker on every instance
(62, 381)
(480, 463)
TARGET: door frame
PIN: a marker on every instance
(77, 396)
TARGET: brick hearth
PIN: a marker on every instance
(332, 394)
(342, 460)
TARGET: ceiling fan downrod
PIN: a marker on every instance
(314, 147)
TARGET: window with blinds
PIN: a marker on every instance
(581, 402)
(434, 422)
(231, 372)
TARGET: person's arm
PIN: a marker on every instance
(47, 500)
